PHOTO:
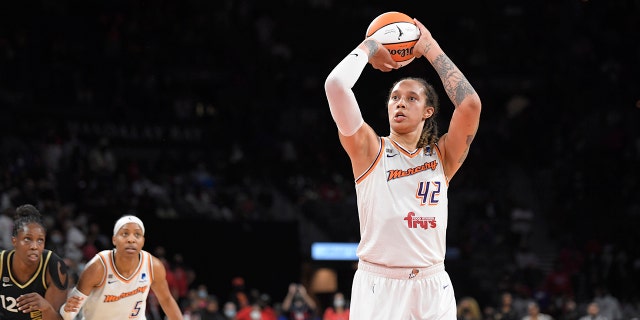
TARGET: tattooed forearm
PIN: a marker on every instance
(372, 46)
(427, 48)
(455, 84)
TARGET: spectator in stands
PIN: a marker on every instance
(298, 304)
(593, 313)
(259, 309)
(533, 313)
(569, 309)
(339, 310)
(505, 309)
(608, 304)
(230, 310)
(211, 311)
(239, 295)
(469, 309)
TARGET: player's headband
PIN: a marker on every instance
(127, 219)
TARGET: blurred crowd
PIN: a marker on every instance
(215, 111)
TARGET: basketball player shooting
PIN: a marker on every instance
(402, 180)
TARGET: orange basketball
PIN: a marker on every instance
(397, 32)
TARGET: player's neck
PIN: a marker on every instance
(126, 265)
(21, 271)
(404, 143)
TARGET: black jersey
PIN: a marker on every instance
(11, 288)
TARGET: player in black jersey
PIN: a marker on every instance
(33, 281)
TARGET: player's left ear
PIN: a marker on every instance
(428, 112)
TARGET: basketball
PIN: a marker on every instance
(397, 32)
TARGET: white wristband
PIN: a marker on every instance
(71, 315)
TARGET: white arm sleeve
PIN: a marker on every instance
(342, 102)
(72, 315)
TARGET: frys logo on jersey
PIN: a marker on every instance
(414, 222)
(395, 174)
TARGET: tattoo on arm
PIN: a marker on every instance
(427, 48)
(372, 46)
(466, 150)
(455, 83)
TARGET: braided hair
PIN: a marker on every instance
(26, 214)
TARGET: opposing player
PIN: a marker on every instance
(34, 280)
(115, 283)
(401, 181)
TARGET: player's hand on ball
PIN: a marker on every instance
(379, 56)
(424, 41)
(398, 33)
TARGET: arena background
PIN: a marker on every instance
(216, 117)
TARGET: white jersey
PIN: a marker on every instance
(402, 204)
(118, 297)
